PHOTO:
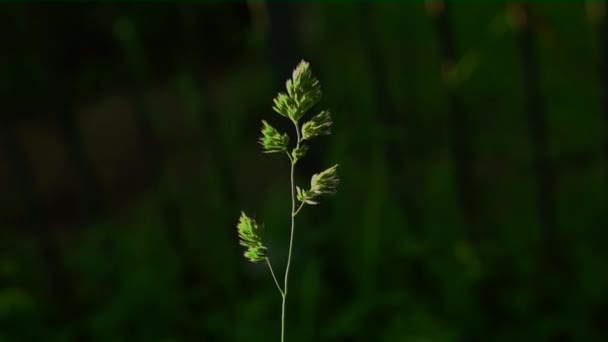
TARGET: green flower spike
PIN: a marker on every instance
(299, 152)
(326, 182)
(323, 183)
(320, 124)
(284, 105)
(250, 234)
(272, 141)
(303, 92)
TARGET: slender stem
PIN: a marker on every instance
(299, 208)
(293, 224)
(273, 276)
(283, 318)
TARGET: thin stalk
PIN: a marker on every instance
(302, 90)
(299, 208)
(273, 276)
(293, 225)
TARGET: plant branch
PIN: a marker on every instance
(274, 277)
(293, 224)
(299, 208)
(303, 92)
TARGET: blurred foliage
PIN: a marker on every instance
(128, 147)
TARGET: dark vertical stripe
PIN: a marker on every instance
(283, 45)
(91, 189)
(400, 164)
(64, 69)
(538, 128)
(20, 173)
(555, 274)
(458, 118)
(56, 280)
(137, 77)
(599, 314)
(603, 68)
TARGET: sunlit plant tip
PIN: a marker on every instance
(303, 92)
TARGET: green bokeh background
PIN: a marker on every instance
(472, 141)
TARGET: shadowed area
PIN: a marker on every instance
(473, 148)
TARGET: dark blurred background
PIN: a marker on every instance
(472, 139)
